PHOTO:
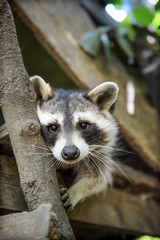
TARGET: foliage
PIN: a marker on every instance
(143, 15)
(91, 41)
(140, 19)
(148, 238)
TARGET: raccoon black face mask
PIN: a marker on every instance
(81, 132)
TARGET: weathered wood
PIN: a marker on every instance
(11, 197)
(86, 231)
(27, 225)
(59, 27)
(18, 102)
(136, 214)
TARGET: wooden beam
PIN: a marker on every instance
(132, 213)
(27, 225)
(12, 198)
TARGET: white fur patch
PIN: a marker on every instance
(57, 149)
(46, 118)
(44, 87)
(76, 141)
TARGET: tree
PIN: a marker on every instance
(18, 103)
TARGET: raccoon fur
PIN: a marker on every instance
(81, 132)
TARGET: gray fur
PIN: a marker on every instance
(92, 171)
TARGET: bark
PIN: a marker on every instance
(18, 102)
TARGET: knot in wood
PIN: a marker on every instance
(30, 128)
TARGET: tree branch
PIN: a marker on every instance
(18, 103)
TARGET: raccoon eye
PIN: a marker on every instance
(53, 127)
(84, 125)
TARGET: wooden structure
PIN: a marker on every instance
(128, 207)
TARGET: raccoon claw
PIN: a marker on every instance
(65, 198)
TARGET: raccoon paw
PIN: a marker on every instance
(65, 198)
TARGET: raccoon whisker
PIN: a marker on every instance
(38, 156)
(52, 165)
(56, 164)
(50, 161)
(93, 161)
(85, 160)
(87, 164)
(33, 145)
(77, 165)
(94, 166)
(101, 160)
(120, 169)
(41, 154)
(110, 160)
(60, 164)
(112, 148)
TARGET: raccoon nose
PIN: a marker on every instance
(70, 153)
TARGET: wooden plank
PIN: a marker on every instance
(27, 225)
(86, 231)
(11, 197)
(135, 214)
(59, 27)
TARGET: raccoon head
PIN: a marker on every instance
(73, 122)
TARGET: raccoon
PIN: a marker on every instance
(81, 132)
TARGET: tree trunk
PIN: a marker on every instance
(18, 103)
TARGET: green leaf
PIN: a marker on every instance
(91, 42)
(148, 238)
(107, 45)
(156, 23)
(157, 6)
(156, 20)
(143, 15)
(125, 45)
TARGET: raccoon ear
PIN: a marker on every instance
(104, 95)
(42, 88)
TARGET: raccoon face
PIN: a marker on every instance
(74, 122)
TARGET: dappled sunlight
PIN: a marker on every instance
(116, 14)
